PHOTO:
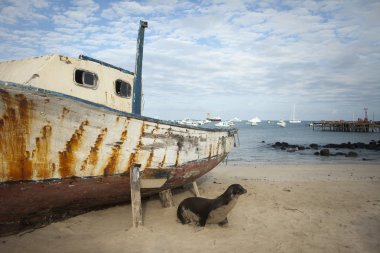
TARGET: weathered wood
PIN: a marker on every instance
(195, 188)
(347, 126)
(166, 198)
(136, 196)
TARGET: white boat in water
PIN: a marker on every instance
(216, 118)
(71, 131)
(281, 123)
(254, 121)
(191, 122)
(293, 116)
(225, 124)
(235, 120)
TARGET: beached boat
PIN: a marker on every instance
(71, 130)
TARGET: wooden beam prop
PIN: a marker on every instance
(195, 188)
(136, 196)
(166, 198)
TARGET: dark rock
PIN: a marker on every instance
(359, 145)
(284, 144)
(352, 154)
(331, 145)
(316, 153)
(324, 152)
(372, 145)
(313, 146)
(301, 148)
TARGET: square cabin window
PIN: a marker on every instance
(86, 78)
(123, 89)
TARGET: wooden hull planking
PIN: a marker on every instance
(60, 156)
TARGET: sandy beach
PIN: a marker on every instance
(288, 208)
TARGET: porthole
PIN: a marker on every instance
(86, 78)
(122, 88)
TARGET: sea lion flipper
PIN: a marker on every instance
(202, 220)
(224, 222)
(181, 215)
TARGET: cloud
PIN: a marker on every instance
(22, 10)
(258, 57)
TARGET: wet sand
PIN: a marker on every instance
(288, 208)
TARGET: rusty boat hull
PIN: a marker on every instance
(61, 155)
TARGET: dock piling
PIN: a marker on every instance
(166, 198)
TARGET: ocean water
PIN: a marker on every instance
(256, 145)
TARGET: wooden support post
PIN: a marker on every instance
(136, 196)
(195, 188)
(166, 198)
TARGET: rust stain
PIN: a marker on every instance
(150, 159)
(113, 160)
(64, 112)
(67, 158)
(24, 111)
(93, 157)
(14, 132)
(53, 168)
(142, 130)
(217, 147)
(84, 165)
(132, 160)
(151, 154)
(161, 164)
(94, 149)
(177, 159)
(180, 143)
(42, 153)
(134, 156)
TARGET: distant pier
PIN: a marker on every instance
(347, 126)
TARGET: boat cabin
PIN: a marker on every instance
(83, 78)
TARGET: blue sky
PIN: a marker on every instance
(229, 58)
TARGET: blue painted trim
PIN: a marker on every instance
(87, 58)
(137, 86)
(111, 110)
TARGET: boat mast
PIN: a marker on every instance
(137, 86)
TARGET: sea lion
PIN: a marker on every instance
(202, 210)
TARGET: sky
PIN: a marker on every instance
(231, 58)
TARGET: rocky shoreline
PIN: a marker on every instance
(325, 150)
